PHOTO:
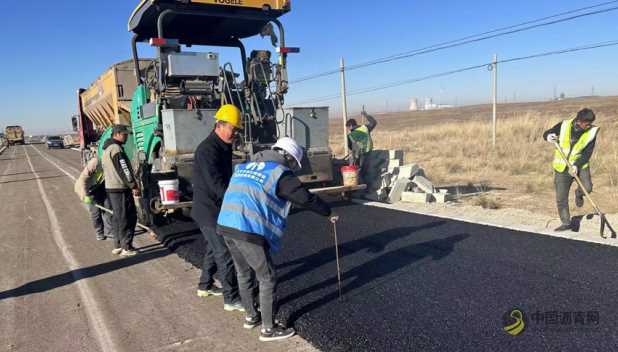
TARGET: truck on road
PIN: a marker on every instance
(14, 135)
(170, 101)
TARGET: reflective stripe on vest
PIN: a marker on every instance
(251, 203)
(362, 137)
(573, 154)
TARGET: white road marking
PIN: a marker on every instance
(58, 167)
(93, 311)
(76, 149)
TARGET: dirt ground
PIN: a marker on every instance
(454, 148)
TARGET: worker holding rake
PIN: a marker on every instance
(576, 139)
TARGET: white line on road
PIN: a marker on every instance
(57, 166)
(93, 311)
(76, 149)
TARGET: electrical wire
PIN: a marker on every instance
(460, 70)
(532, 24)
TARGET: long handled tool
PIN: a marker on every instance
(143, 227)
(604, 221)
(334, 220)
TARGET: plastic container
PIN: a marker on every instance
(168, 190)
(350, 175)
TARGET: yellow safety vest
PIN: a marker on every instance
(565, 143)
(362, 137)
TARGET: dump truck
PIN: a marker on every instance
(170, 100)
(107, 101)
(14, 135)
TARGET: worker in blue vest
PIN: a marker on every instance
(253, 219)
(577, 138)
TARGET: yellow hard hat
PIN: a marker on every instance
(230, 114)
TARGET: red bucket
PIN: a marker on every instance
(350, 175)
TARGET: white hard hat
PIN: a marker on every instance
(290, 146)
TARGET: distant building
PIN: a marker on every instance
(428, 105)
(414, 105)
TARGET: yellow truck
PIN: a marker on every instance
(14, 135)
(107, 101)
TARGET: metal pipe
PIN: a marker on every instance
(138, 75)
(344, 106)
(495, 99)
(144, 227)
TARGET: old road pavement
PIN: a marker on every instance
(410, 282)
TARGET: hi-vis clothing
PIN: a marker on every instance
(361, 137)
(575, 152)
(251, 203)
(89, 179)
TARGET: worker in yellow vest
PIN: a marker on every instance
(577, 138)
(360, 142)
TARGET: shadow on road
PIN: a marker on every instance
(373, 244)
(33, 179)
(72, 276)
(371, 271)
(26, 173)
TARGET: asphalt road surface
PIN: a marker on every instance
(410, 282)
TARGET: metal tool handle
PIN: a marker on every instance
(604, 221)
(334, 220)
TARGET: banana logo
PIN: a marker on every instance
(518, 326)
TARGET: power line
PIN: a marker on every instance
(460, 70)
(532, 24)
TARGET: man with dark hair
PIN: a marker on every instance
(212, 170)
(121, 186)
(359, 139)
(253, 219)
(577, 138)
(90, 187)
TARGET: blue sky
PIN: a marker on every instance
(52, 48)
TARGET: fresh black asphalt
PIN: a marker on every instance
(417, 283)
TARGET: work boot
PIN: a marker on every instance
(116, 251)
(212, 291)
(579, 200)
(234, 306)
(251, 322)
(277, 332)
(128, 253)
(562, 227)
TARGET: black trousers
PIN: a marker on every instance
(218, 259)
(124, 218)
(562, 183)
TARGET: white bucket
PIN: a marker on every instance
(168, 190)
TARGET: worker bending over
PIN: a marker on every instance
(212, 170)
(121, 187)
(359, 139)
(90, 187)
(577, 138)
(253, 219)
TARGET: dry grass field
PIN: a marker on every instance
(454, 147)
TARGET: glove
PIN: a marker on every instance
(573, 170)
(552, 138)
(87, 200)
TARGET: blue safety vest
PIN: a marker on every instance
(251, 203)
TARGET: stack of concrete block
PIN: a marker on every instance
(389, 179)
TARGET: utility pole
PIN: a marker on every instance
(344, 106)
(494, 69)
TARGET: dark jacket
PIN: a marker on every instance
(575, 134)
(289, 188)
(117, 167)
(212, 170)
